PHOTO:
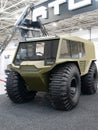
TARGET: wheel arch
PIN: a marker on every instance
(65, 63)
(86, 67)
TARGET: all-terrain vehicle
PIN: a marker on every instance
(64, 66)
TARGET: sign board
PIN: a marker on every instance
(54, 10)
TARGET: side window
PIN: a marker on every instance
(65, 50)
(81, 50)
(74, 49)
(77, 49)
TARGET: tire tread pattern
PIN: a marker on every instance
(16, 89)
(89, 85)
(57, 87)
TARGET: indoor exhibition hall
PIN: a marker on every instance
(48, 64)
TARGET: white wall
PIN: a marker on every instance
(6, 57)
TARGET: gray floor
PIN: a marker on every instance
(39, 115)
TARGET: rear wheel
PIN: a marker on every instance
(89, 81)
(17, 90)
(65, 87)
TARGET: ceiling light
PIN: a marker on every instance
(54, 24)
(80, 29)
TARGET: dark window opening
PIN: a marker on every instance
(36, 51)
(72, 49)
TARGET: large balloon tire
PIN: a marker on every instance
(89, 81)
(64, 87)
(17, 90)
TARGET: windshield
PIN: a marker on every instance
(37, 50)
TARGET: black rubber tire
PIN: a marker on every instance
(63, 80)
(89, 81)
(16, 89)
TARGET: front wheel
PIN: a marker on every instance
(65, 87)
(17, 89)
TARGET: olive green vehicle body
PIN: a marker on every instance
(36, 74)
